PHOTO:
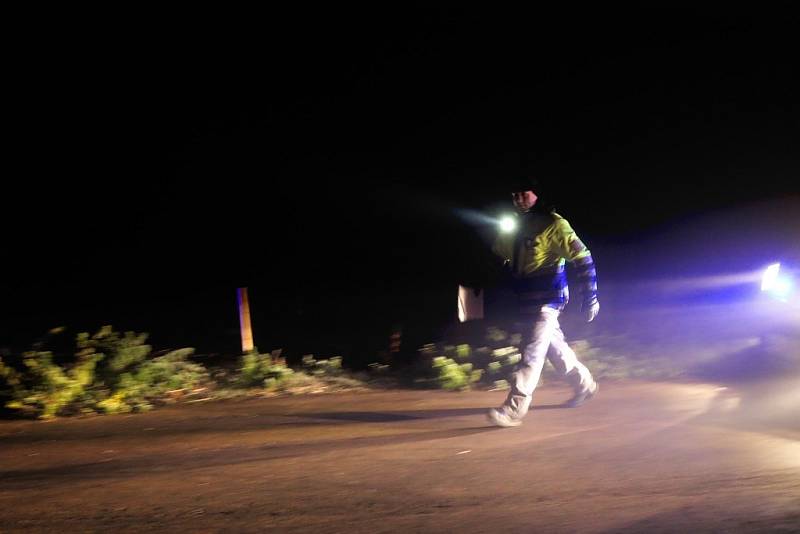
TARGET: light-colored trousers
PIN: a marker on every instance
(544, 340)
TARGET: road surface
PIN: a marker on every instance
(641, 457)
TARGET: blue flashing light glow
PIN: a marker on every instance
(776, 283)
(783, 288)
(770, 277)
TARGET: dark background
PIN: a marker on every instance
(157, 161)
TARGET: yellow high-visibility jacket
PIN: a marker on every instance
(536, 254)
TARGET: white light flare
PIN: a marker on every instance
(777, 284)
(475, 217)
(507, 224)
(770, 277)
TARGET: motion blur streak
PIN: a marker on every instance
(697, 283)
(475, 217)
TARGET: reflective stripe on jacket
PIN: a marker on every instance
(536, 254)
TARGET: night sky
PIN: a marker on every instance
(159, 160)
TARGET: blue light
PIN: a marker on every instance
(770, 277)
(783, 288)
(776, 283)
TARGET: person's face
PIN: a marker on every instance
(524, 200)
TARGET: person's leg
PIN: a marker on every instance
(566, 363)
(529, 369)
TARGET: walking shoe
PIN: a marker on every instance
(500, 418)
(583, 396)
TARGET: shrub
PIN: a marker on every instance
(262, 370)
(154, 381)
(454, 376)
(110, 372)
(45, 388)
(329, 367)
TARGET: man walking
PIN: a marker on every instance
(535, 253)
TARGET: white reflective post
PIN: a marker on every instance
(470, 304)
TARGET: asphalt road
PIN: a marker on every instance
(640, 457)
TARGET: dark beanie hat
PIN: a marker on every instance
(526, 183)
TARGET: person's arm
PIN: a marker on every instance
(574, 251)
(503, 248)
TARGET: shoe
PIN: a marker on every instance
(583, 396)
(500, 418)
